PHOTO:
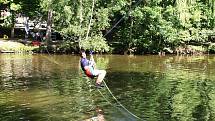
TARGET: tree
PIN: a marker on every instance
(13, 8)
(47, 6)
(23, 7)
(135, 26)
(83, 20)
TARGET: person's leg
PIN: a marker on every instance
(100, 75)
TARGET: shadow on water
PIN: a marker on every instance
(156, 96)
(12, 112)
(16, 112)
(53, 97)
(154, 89)
(205, 109)
(152, 96)
(135, 90)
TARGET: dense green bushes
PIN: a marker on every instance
(16, 47)
(136, 26)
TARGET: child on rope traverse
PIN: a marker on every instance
(88, 66)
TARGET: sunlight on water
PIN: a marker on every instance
(53, 88)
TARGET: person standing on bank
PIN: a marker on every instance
(88, 66)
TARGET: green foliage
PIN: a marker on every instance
(166, 24)
(149, 26)
(102, 20)
(7, 22)
(211, 47)
(96, 43)
(23, 7)
(77, 15)
(15, 47)
(15, 7)
(67, 46)
(4, 1)
(33, 12)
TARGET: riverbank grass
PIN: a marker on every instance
(15, 47)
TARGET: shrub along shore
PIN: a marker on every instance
(9, 46)
(14, 46)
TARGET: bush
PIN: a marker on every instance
(96, 43)
(211, 48)
(67, 47)
(15, 47)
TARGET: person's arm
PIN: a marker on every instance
(92, 62)
(91, 58)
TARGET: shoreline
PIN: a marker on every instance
(17, 46)
(10, 46)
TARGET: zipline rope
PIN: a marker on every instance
(120, 103)
(103, 80)
(104, 96)
(122, 18)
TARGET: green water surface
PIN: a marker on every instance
(153, 88)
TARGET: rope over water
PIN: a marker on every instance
(116, 106)
(120, 103)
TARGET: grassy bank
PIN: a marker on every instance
(15, 47)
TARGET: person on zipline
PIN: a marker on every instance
(88, 66)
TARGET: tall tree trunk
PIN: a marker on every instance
(92, 9)
(81, 19)
(26, 28)
(12, 31)
(130, 31)
(49, 26)
(13, 24)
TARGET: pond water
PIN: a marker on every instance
(152, 88)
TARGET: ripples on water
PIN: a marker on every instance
(53, 88)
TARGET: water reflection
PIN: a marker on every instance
(168, 89)
(53, 88)
(99, 116)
